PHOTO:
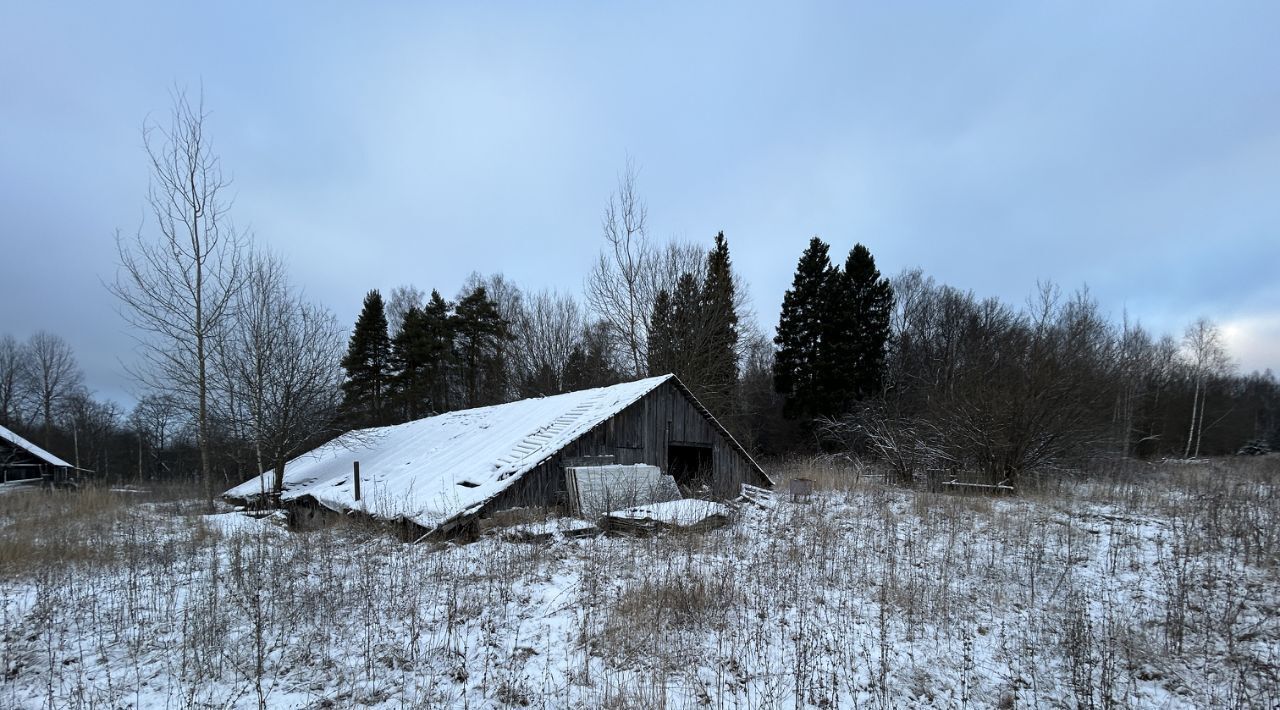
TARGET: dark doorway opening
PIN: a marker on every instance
(690, 466)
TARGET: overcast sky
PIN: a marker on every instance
(1134, 147)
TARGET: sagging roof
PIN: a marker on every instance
(8, 435)
(442, 468)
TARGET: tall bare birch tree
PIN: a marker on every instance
(1206, 357)
(178, 286)
(616, 287)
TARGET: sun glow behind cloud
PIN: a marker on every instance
(1254, 341)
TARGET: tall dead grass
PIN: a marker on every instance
(1130, 587)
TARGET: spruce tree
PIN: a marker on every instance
(720, 322)
(688, 334)
(797, 368)
(857, 328)
(869, 297)
(367, 363)
(661, 335)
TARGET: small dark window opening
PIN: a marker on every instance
(690, 466)
(468, 484)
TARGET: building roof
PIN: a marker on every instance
(436, 470)
(8, 435)
(441, 468)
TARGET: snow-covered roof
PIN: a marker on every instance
(31, 448)
(434, 470)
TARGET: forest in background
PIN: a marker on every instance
(242, 372)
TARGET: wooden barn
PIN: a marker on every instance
(441, 473)
(21, 460)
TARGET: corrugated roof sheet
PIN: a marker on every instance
(437, 469)
(36, 451)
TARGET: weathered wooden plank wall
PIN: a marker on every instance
(640, 433)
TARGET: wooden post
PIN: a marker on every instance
(356, 466)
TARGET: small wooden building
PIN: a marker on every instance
(668, 428)
(441, 473)
(21, 460)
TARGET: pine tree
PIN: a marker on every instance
(367, 363)
(480, 339)
(797, 369)
(719, 319)
(408, 383)
(421, 356)
(437, 352)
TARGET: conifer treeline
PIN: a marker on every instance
(832, 333)
(483, 349)
(449, 355)
(915, 373)
(693, 331)
(918, 374)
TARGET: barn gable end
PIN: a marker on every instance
(667, 428)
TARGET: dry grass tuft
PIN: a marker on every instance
(53, 527)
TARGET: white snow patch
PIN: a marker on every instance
(240, 522)
(680, 513)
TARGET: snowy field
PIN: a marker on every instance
(1157, 587)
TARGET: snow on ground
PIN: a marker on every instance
(239, 522)
(552, 527)
(1155, 592)
(683, 513)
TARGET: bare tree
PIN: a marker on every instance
(53, 374)
(152, 419)
(279, 367)
(550, 326)
(178, 288)
(401, 301)
(978, 386)
(92, 424)
(14, 386)
(618, 284)
(669, 262)
(504, 293)
(1205, 357)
